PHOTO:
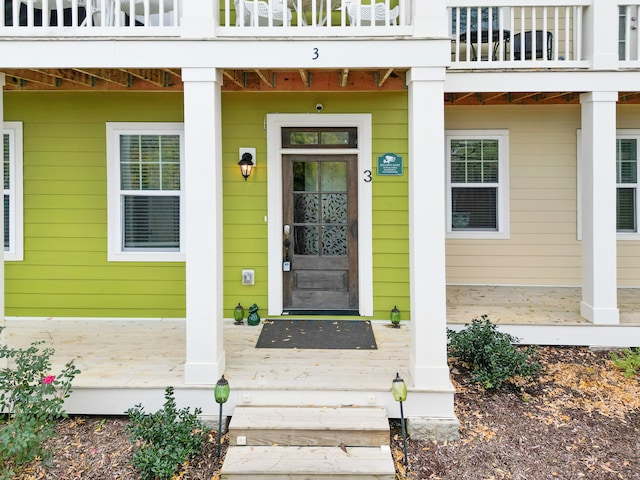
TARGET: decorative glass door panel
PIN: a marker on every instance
(320, 212)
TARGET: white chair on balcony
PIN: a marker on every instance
(245, 9)
(365, 14)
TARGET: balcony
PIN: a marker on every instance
(507, 34)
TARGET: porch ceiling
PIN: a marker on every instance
(169, 79)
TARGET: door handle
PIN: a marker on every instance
(287, 230)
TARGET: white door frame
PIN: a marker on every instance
(275, 122)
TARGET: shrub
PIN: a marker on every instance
(628, 361)
(33, 401)
(490, 355)
(164, 440)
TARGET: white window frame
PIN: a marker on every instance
(115, 252)
(620, 133)
(15, 192)
(502, 217)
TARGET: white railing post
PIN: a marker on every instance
(429, 19)
(600, 45)
(199, 18)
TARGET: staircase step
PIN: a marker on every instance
(309, 426)
(307, 463)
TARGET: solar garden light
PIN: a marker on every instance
(221, 394)
(394, 316)
(399, 390)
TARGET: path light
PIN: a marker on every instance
(399, 390)
(221, 394)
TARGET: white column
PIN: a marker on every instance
(3, 361)
(199, 18)
(427, 228)
(203, 183)
(598, 156)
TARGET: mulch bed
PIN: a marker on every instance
(578, 419)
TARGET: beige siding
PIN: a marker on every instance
(543, 248)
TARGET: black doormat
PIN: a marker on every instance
(317, 334)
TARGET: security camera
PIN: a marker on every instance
(319, 107)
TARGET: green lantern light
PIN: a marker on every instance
(395, 317)
(399, 390)
(221, 394)
(238, 314)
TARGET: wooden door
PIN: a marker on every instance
(320, 235)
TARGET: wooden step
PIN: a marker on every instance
(307, 463)
(309, 426)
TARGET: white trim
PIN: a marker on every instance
(115, 252)
(620, 133)
(275, 122)
(503, 216)
(16, 192)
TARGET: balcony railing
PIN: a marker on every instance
(485, 34)
(628, 38)
(528, 34)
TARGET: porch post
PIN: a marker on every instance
(203, 185)
(427, 228)
(598, 155)
(3, 361)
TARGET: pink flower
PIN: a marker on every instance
(48, 379)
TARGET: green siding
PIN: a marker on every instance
(65, 271)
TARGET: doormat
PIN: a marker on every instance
(317, 334)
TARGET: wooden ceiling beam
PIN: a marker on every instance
(22, 76)
(264, 77)
(153, 76)
(383, 76)
(236, 76)
(117, 77)
(305, 76)
(344, 77)
(73, 76)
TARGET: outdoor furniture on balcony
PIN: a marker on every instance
(468, 31)
(378, 13)
(37, 18)
(305, 8)
(541, 45)
(246, 13)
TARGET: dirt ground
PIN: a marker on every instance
(578, 419)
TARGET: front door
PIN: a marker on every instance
(320, 234)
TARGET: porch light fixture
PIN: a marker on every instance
(399, 390)
(221, 395)
(246, 165)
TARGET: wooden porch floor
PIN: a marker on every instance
(151, 353)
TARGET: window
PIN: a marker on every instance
(627, 183)
(13, 216)
(146, 195)
(477, 184)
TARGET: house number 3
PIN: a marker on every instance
(367, 176)
(316, 54)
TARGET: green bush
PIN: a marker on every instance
(490, 355)
(33, 401)
(164, 440)
(628, 361)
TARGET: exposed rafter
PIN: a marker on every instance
(22, 77)
(382, 77)
(117, 77)
(264, 77)
(73, 76)
(344, 77)
(305, 76)
(153, 76)
(236, 76)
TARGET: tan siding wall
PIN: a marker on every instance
(543, 248)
